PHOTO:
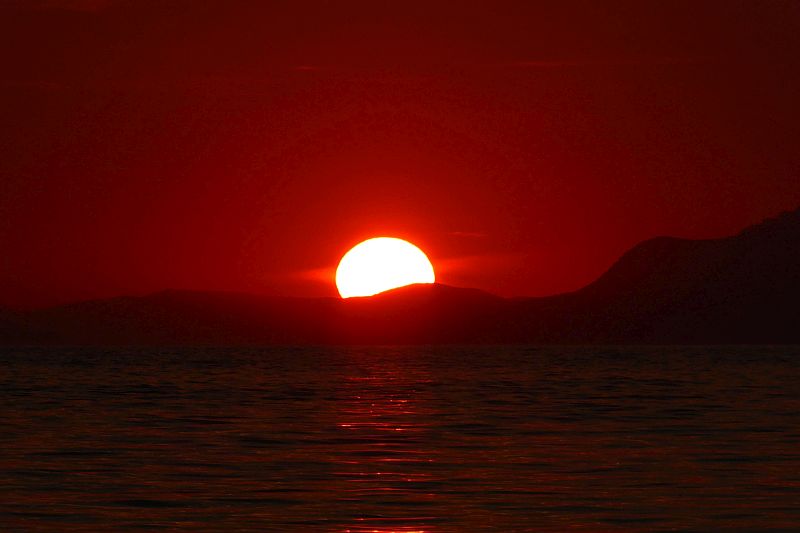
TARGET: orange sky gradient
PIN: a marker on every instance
(247, 145)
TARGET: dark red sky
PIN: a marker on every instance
(247, 145)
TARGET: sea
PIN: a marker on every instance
(400, 439)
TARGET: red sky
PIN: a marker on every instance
(247, 145)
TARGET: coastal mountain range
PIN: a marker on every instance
(743, 289)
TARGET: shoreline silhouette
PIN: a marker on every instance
(741, 289)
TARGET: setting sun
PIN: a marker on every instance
(380, 264)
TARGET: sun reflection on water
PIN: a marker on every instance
(388, 461)
(401, 440)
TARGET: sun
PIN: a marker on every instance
(380, 264)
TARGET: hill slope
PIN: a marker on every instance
(740, 289)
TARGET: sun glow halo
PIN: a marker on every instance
(380, 264)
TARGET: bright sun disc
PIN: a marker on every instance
(380, 264)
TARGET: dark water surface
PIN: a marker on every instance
(401, 439)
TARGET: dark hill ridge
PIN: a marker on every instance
(739, 289)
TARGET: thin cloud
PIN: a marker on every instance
(321, 274)
(615, 62)
(487, 262)
(308, 68)
(32, 84)
(85, 6)
(469, 234)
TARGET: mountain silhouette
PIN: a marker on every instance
(739, 289)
